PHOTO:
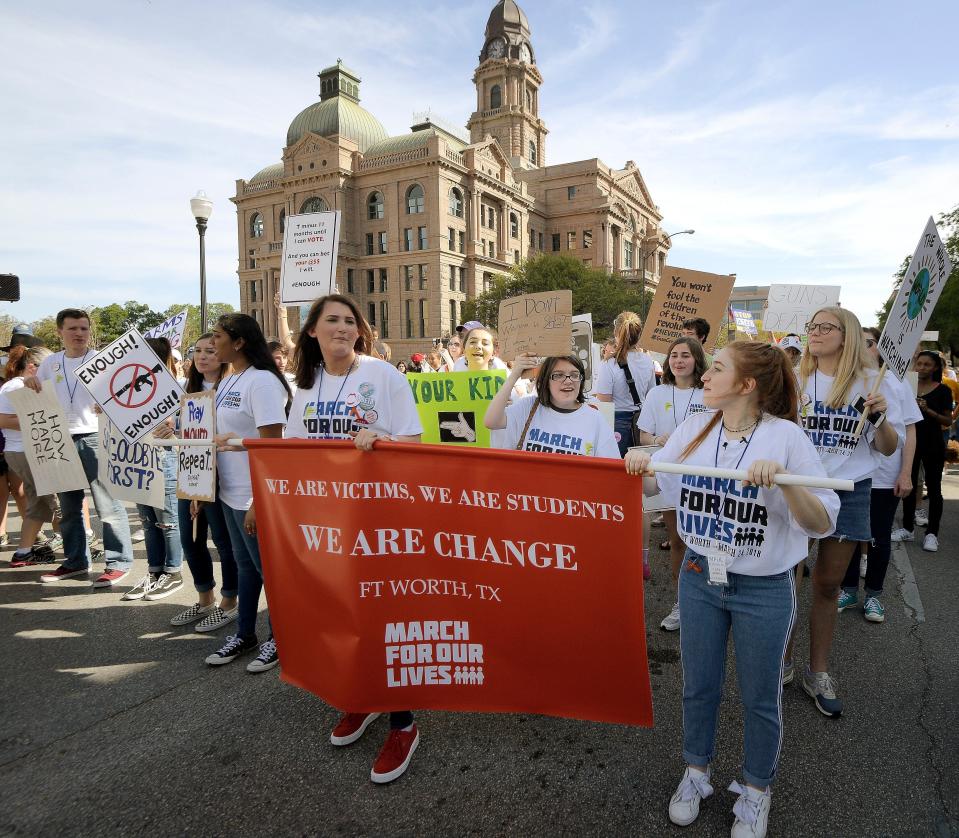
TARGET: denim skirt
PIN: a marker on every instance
(852, 524)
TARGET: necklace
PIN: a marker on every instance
(739, 430)
(76, 381)
(319, 386)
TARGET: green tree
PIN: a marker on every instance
(46, 330)
(6, 328)
(109, 322)
(594, 291)
(192, 329)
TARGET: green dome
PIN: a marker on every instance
(269, 173)
(337, 115)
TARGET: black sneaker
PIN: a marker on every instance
(166, 584)
(232, 649)
(267, 659)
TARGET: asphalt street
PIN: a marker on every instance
(114, 725)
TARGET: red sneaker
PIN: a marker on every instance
(63, 572)
(395, 756)
(351, 727)
(110, 577)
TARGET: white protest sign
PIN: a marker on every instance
(171, 329)
(131, 471)
(132, 385)
(583, 345)
(790, 307)
(932, 337)
(50, 450)
(921, 286)
(308, 264)
(744, 321)
(196, 465)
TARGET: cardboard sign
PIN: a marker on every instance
(931, 337)
(131, 471)
(196, 465)
(431, 577)
(925, 278)
(683, 294)
(132, 385)
(308, 266)
(790, 307)
(47, 444)
(451, 405)
(582, 345)
(171, 329)
(538, 323)
(744, 321)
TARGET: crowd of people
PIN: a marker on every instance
(737, 549)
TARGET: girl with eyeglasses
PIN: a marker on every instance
(836, 379)
(557, 419)
(667, 406)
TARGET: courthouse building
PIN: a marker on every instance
(431, 216)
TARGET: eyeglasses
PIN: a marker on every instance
(870, 343)
(575, 377)
(821, 328)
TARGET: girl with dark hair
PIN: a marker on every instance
(206, 373)
(935, 403)
(251, 402)
(557, 419)
(345, 393)
(666, 407)
(743, 539)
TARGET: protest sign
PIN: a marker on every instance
(452, 405)
(744, 321)
(582, 345)
(47, 444)
(931, 337)
(790, 307)
(171, 329)
(308, 266)
(196, 465)
(132, 385)
(538, 323)
(925, 278)
(131, 471)
(681, 295)
(486, 584)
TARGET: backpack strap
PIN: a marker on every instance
(631, 384)
(529, 421)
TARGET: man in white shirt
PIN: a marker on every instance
(59, 371)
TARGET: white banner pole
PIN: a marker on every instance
(741, 474)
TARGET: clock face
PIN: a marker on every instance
(496, 48)
(524, 54)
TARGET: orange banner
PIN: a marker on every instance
(426, 576)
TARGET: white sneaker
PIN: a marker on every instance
(902, 534)
(751, 811)
(692, 789)
(930, 543)
(138, 536)
(671, 620)
(863, 561)
(922, 517)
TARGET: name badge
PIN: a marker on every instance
(717, 569)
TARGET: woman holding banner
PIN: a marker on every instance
(626, 378)
(743, 540)
(345, 393)
(666, 407)
(838, 386)
(557, 419)
(251, 402)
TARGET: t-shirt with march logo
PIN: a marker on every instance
(374, 395)
(666, 407)
(584, 431)
(751, 526)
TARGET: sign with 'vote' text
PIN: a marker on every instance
(430, 576)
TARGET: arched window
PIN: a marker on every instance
(314, 204)
(414, 199)
(532, 152)
(456, 202)
(282, 221)
(256, 226)
(374, 206)
(495, 97)
(513, 226)
(529, 99)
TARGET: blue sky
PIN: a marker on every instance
(805, 142)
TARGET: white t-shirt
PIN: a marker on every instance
(887, 468)
(245, 402)
(584, 431)
(832, 430)
(494, 364)
(77, 402)
(14, 439)
(752, 527)
(666, 407)
(374, 395)
(610, 380)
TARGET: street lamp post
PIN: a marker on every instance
(202, 209)
(644, 256)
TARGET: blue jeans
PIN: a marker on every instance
(761, 611)
(117, 546)
(623, 426)
(209, 521)
(161, 527)
(246, 551)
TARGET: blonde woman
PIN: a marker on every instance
(836, 378)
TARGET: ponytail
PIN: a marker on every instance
(627, 328)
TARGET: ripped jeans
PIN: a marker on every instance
(161, 527)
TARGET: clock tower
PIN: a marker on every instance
(507, 89)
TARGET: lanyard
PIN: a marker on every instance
(319, 386)
(66, 379)
(719, 440)
(688, 405)
(233, 379)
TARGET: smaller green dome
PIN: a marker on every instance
(269, 173)
(337, 115)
